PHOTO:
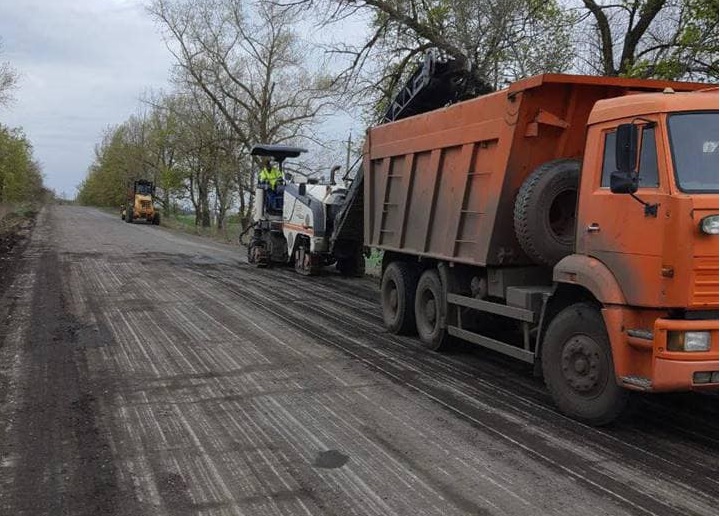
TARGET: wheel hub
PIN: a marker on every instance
(581, 363)
(561, 216)
(393, 298)
(430, 313)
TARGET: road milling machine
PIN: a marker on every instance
(314, 224)
(294, 223)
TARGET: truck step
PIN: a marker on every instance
(640, 338)
(637, 382)
(493, 308)
(495, 345)
(640, 334)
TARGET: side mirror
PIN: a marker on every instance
(626, 149)
(302, 189)
(623, 182)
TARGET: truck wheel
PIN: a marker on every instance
(430, 310)
(397, 295)
(578, 366)
(544, 216)
(156, 219)
(129, 214)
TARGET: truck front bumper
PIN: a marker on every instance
(684, 370)
(644, 359)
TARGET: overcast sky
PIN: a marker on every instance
(83, 64)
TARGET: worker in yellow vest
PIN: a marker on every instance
(272, 177)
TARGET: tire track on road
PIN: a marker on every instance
(599, 480)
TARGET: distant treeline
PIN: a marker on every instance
(21, 179)
(20, 176)
(186, 148)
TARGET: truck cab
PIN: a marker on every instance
(647, 236)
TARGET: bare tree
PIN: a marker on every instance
(250, 64)
(494, 40)
(670, 39)
(8, 81)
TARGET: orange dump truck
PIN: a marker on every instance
(567, 221)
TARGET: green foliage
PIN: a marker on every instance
(20, 176)
(699, 38)
(497, 41)
(181, 144)
(660, 39)
(112, 172)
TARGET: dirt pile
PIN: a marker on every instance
(15, 229)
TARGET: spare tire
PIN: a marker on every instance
(545, 211)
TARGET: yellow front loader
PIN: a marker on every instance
(140, 204)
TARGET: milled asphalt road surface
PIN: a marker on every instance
(145, 372)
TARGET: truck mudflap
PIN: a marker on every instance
(653, 359)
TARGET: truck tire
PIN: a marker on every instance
(156, 219)
(430, 311)
(545, 206)
(578, 367)
(129, 214)
(397, 295)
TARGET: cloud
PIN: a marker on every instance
(83, 65)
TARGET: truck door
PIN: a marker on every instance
(617, 229)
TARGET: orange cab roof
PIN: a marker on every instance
(637, 105)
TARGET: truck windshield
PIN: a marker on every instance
(144, 189)
(694, 144)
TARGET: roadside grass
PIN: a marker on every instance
(110, 209)
(373, 263)
(186, 223)
(12, 215)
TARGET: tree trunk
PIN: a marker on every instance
(203, 216)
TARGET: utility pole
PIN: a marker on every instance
(347, 155)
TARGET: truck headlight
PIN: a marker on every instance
(692, 341)
(705, 377)
(710, 225)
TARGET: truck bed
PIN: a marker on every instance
(442, 184)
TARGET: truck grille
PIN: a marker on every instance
(705, 282)
(145, 204)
